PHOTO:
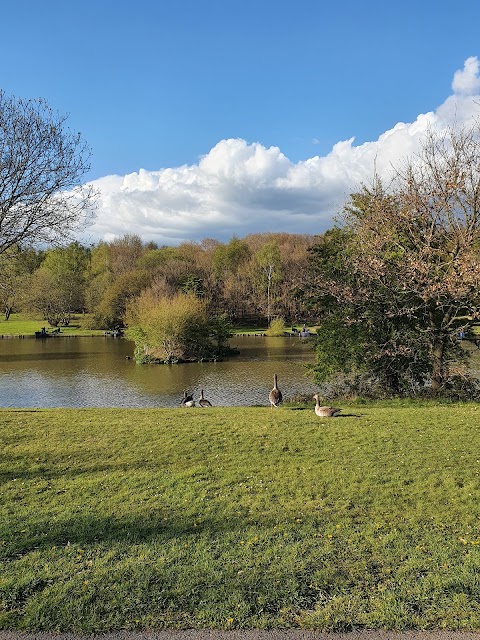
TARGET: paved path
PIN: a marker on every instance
(280, 634)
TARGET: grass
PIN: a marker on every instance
(21, 324)
(240, 518)
(249, 330)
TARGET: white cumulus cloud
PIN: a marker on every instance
(467, 81)
(240, 187)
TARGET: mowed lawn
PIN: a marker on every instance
(24, 324)
(240, 518)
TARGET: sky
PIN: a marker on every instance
(215, 118)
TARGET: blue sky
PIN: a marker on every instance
(158, 86)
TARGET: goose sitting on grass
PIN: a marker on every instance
(275, 395)
(325, 412)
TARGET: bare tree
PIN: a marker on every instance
(42, 164)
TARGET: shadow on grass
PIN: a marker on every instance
(46, 472)
(341, 415)
(54, 468)
(84, 530)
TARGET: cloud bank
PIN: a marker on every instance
(240, 187)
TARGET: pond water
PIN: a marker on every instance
(95, 372)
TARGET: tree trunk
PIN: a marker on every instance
(438, 370)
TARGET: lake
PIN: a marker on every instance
(96, 372)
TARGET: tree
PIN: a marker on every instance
(99, 275)
(110, 313)
(229, 258)
(42, 294)
(125, 253)
(56, 289)
(14, 271)
(42, 164)
(268, 264)
(68, 266)
(168, 329)
(411, 274)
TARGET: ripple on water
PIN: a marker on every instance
(96, 372)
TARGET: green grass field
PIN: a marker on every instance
(240, 518)
(22, 324)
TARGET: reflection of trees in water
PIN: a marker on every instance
(81, 372)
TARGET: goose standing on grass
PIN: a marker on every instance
(188, 400)
(275, 395)
(325, 412)
(203, 402)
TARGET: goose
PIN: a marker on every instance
(275, 395)
(188, 400)
(324, 412)
(203, 402)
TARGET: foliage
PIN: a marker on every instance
(153, 259)
(220, 330)
(14, 271)
(68, 266)
(124, 254)
(56, 289)
(169, 329)
(240, 518)
(110, 312)
(277, 327)
(42, 163)
(99, 275)
(229, 258)
(43, 296)
(103, 278)
(191, 283)
(408, 272)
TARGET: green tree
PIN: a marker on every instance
(99, 276)
(229, 258)
(410, 280)
(110, 313)
(42, 295)
(56, 288)
(69, 266)
(14, 271)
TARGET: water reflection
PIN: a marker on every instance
(95, 372)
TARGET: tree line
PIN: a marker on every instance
(253, 279)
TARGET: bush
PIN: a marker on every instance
(169, 329)
(277, 327)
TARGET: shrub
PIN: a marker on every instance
(168, 329)
(276, 328)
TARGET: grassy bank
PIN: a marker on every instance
(21, 324)
(240, 518)
(24, 324)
